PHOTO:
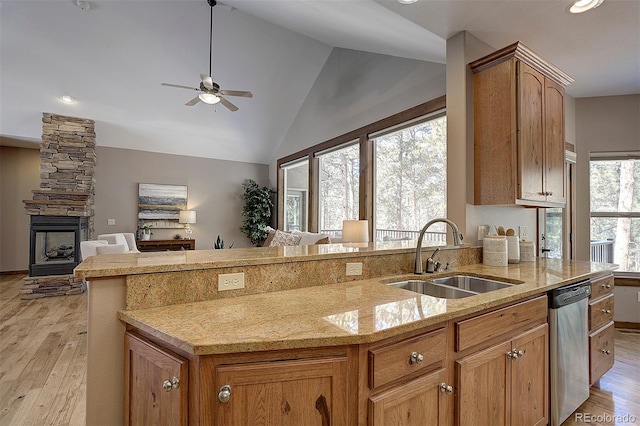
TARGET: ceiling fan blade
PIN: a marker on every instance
(178, 86)
(193, 101)
(207, 81)
(228, 104)
(241, 93)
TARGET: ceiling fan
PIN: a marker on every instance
(211, 92)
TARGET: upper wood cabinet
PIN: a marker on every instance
(518, 129)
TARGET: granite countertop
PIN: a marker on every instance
(341, 314)
(189, 260)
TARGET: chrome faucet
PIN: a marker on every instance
(457, 239)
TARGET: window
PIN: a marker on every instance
(296, 190)
(411, 180)
(391, 173)
(615, 209)
(339, 188)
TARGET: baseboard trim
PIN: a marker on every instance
(629, 325)
(26, 271)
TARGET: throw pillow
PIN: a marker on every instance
(281, 238)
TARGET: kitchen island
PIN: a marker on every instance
(298, 299)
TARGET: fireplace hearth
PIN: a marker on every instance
(54, 247)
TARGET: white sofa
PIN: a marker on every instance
(109, 244)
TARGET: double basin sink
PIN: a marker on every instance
(453, 287)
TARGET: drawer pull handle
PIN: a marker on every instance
(169, 385)
(445, 388)
(225, 393)
(606, 351)
(606, 311)
(416, 358)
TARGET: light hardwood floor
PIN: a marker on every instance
(43, 362)
(43, 357)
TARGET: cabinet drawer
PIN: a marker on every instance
(500, 322)
(601, 352)
(600, 312)
(391, 362)
(601, 287)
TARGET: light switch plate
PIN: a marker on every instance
(354, 268)
(230, 281)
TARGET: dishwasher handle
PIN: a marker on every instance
(569, 294)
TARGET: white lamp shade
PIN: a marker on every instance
(187, 216)
(355, 231)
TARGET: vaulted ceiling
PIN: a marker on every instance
(114, 56)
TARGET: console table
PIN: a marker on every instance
(165, 245)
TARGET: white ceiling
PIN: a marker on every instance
(113, 58)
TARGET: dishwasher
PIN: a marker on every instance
(568, 349)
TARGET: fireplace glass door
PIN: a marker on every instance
(55, 247)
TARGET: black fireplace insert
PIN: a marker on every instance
(55, 244)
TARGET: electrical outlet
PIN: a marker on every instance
(111, 222)
(354, 268)
(523, 231)
(230, 281)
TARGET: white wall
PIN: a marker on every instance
(214, 190)
(355, 89)
(606, 123)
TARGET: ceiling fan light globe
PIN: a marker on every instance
(209, 98)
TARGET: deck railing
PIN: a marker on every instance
(602, 251)
(395, 235)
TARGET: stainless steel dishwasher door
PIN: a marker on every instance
(569, 353)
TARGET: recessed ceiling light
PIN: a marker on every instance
(84, 5)
(407, 1)
(580, 6)
(67, 99)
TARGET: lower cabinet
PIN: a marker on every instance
(296, 392)
(156, 384)
(507, 383)
(418, 402)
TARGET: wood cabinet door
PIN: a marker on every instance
(298, 392)
(483, 387)
(530, 378)
(554, 168)
(148, 400)
(530, 133)
(418, 402)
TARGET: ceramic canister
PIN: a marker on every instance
(513, 244)
(494, 250)
(527, 251)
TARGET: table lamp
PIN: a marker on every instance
(187, 217)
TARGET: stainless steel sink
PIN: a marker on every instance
(454, 287)
(475, 284)
(431, 289)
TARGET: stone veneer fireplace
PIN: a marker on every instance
(62, 209)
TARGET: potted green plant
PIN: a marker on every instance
(146, 231)
(257, 211)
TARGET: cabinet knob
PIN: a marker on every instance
(169, 385)
(606, 351)
(416, 358)
(606, 311)
(446, 388)
(225, 393)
